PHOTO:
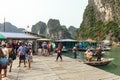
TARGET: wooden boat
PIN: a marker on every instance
(106, 48)
(104, 61)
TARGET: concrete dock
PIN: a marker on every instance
(46, 68)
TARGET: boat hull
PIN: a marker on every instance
(99, 63)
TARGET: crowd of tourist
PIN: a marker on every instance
(10, 51)
(49, 48)
(24, 51)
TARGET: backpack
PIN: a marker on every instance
(12, 55)
(45, 46)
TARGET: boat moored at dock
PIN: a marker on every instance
(104, 61)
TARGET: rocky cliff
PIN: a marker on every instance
(10, 28)
(72, 30)
(39, 28)
(53, 29)
(101, 16)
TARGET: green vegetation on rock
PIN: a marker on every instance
(94, 22)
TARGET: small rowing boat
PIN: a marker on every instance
(104, 61)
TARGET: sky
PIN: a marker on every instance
(23, 13)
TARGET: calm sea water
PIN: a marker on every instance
(113, 67)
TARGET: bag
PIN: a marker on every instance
(4, 61)
(45, 46)
(12, 55)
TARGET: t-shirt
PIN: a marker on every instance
(74, 49)
(5, 51)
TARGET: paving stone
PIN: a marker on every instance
(46, 68)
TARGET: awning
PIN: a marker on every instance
(2, 37)
(10, 35)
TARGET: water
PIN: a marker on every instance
(113, 67)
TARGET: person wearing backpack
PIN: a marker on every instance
(59, 51)
(12, 55)
(45, 46)
(50, 48)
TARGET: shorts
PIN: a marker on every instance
(10, 60)
(22, 57)
(1, 67)
(29, 57)
(89, 57)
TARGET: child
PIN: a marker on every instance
(29, 56)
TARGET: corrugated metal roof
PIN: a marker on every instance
(10, 35)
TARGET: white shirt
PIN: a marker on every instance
(5, 51)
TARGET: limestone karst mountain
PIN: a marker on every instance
(53, 29)
(101, 16)
(10, 28)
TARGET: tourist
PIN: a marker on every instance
(74, 50)
(1, 67)
(12, 55)
(6, 55)
(22, 52)
(45, 49)
(98, 53)
(29, 57)
(50, 48)
(88, 54)
(59, 51)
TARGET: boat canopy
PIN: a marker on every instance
(44, 39)
(66, 40)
